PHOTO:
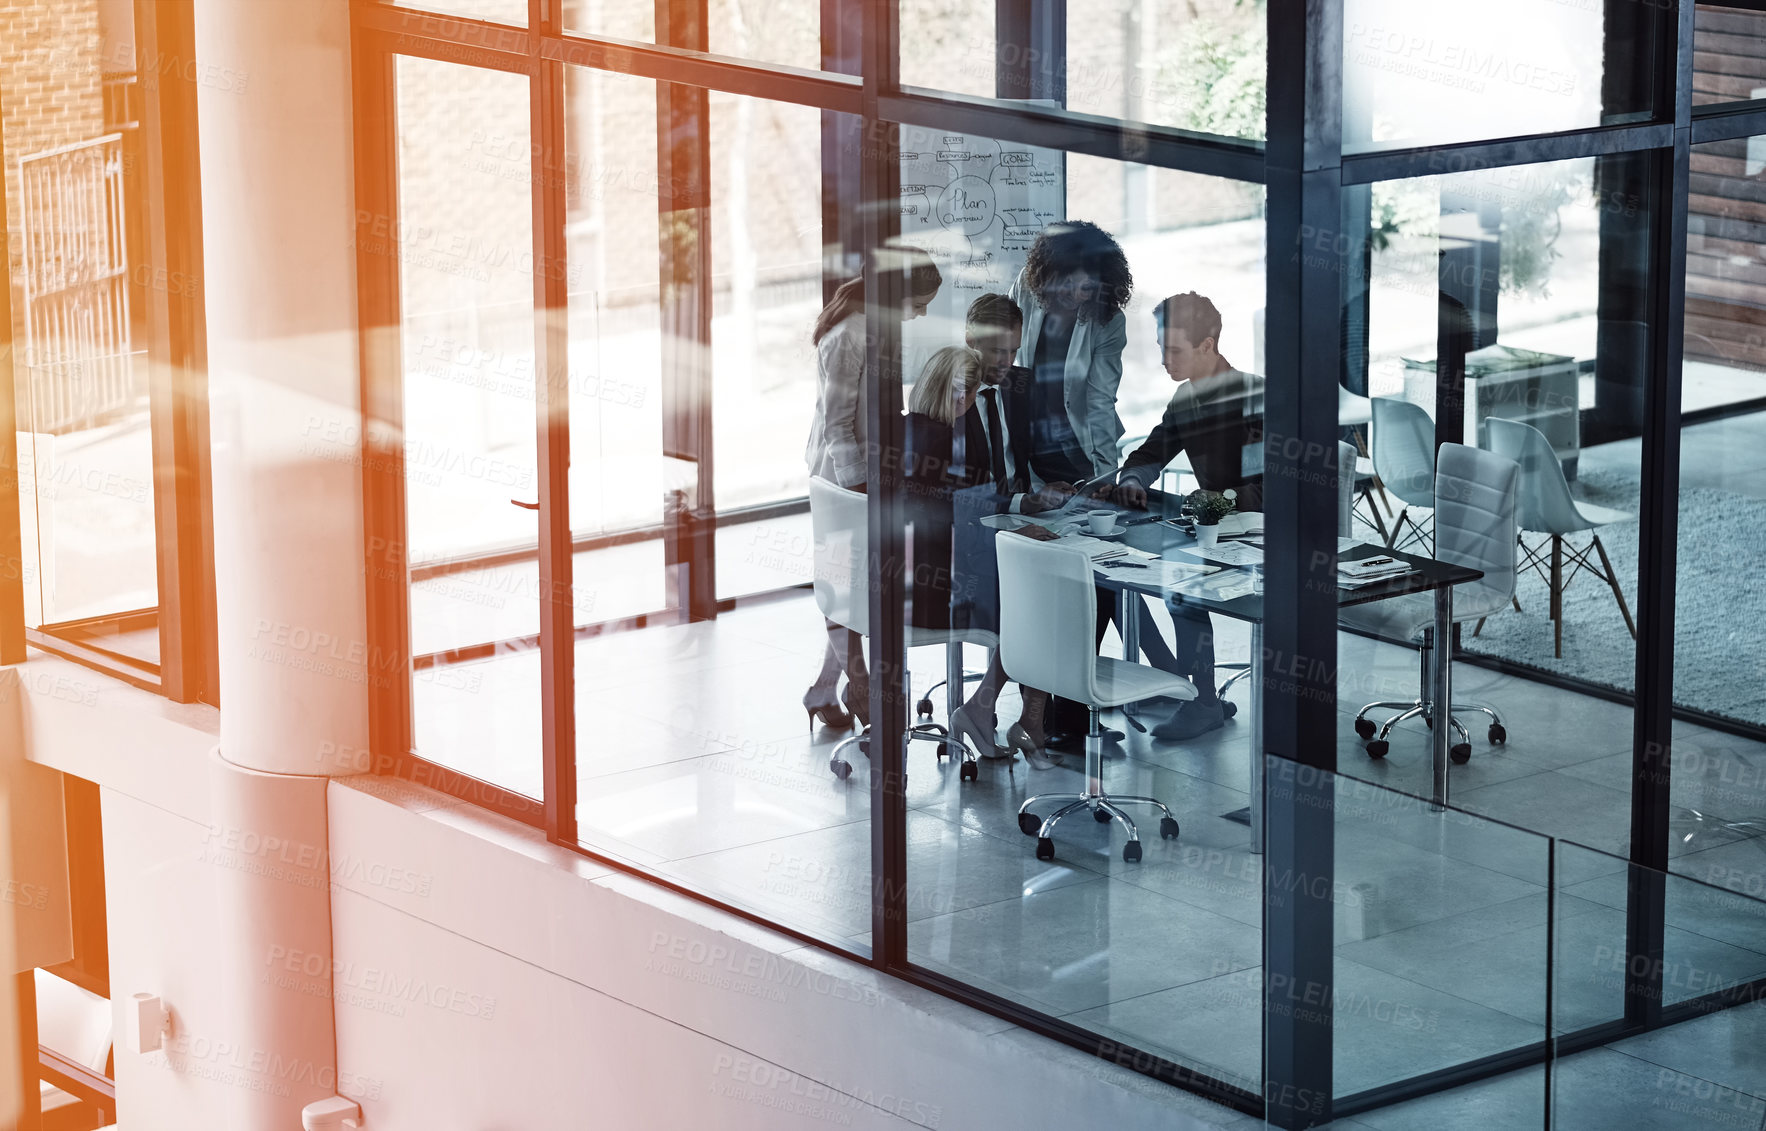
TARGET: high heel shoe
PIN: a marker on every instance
(967, 730)
(828, 711)
(1018, 741)
(859, 705)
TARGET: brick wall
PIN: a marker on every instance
(51, 94)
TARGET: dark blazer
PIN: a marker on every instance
(954, 580)
(1219, 422)
(1014, 394)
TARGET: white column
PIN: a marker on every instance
(275, 1043)
(274, 123)
(284, 385)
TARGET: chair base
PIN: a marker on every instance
(924, 732)
(1101, 805)
(1461, 752)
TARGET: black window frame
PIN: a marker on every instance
(1305, 174)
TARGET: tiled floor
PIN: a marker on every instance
(695, 761)
(1701, 1074)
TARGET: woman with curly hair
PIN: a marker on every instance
(1073, 288)
(1061, 411)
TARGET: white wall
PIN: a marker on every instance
(550, 992)
(486, 980)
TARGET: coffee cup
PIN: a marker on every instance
(1101, 522)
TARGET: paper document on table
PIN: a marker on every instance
(1241, 522)
(1220, 585)
(1157, 572)
(1233, 553)
(1364, 582)
(1119, 550)
(1360, 572)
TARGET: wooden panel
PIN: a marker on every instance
(1726, 215)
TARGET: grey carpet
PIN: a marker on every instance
(1719, 609)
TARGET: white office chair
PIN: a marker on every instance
(1404, 460)
(1474, 526)
(842, 587)
(1357, 415)
(1346, 456)
(1048, 616)
(1547, 507)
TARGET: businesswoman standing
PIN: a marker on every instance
(1061, 409)
(1073, 288)
(836, 450)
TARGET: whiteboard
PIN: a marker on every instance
(976, 205)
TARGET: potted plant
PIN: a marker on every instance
(1209, 508)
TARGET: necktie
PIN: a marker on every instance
(996, 448)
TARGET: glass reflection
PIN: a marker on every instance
(1091, 367)
(1192, 64)
(466, 298)
(1428, 74)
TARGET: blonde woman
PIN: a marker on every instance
(946, 469)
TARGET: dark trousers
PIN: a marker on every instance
(1194, 650)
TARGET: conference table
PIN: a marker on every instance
(1232, 588)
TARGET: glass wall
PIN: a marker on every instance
(465, 258)
(1160, 954)
(1425, 74)
(1530, 269)
(1041, 438)
(693, 755)
(1193, 66)
(1718, 789)
(81, 282)
(613, 284)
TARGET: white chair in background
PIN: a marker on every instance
(1048, 616)
(1404, 459)
(1547, 507)
(843, 570)
(1474, 499)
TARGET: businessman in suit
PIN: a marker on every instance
(1215, 416)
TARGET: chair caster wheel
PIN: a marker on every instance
(864, 745)
(841, 767)
(1460, 753)
(1131, 852)
(1045, 848)
(1029, 824)
(1498, 735)
(1378, 748)
(1168, 828)
(1101, 816)
(1365, 728)
(970, 772)
(923, 708)
(1228, 708)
